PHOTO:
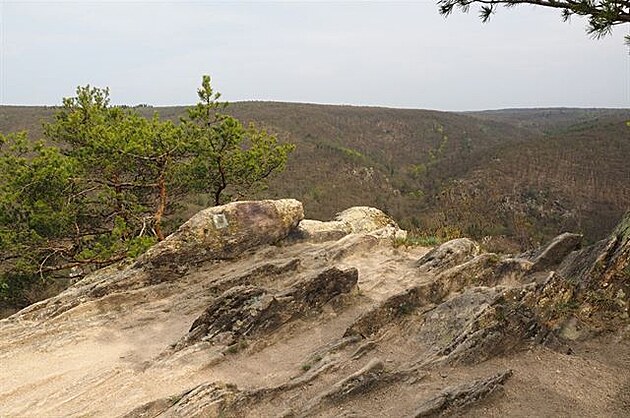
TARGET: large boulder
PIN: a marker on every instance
(355, 220)
(224, 232)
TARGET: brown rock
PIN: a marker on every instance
(224, 232)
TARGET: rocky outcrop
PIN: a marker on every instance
(448, 255)
(556, 251)
(366, 379)
(396, 307)
(484, 270)
(248, 310)
(356, 220)
(481, 306)
(208, 400)
(599, 277)
(224, 232)
(457, 397)
(483, 323)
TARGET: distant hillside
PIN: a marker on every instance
(552, 120)
(522, 174)
(578, 180)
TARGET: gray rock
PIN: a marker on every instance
(448, 255)
(484, 270)
(245, 311)
(599, 278)
(371, 376)
(395, 307)
(553, 254)
(459, 396)
(318, 231)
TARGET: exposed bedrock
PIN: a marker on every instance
(457, 397)
(481, 306)
(555, 252)
(448, 255)
(467, 308)
(247, 311)
(600, 277)
(414, 339)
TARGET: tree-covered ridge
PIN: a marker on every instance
(562, 168)
(97, 188)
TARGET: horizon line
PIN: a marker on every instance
(525, 107)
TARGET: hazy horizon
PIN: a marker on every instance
(379, 54)
(343, 104)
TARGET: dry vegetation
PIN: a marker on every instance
(520, 176)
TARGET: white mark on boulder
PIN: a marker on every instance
(220, 221)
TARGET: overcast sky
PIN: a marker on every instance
(395, 54)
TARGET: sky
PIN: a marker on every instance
(400, 54)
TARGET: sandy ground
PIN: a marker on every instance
(101, 357)
(97, 359)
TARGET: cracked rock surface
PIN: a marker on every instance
(249, 310)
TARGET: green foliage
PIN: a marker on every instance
(230, 160)
(564, 308)
(351, 153)
(348, 153)
(602, 15)
(97, 188)
(418, 171)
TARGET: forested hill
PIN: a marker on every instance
(518, 175)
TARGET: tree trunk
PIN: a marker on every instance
(221, 187)
(161, 207)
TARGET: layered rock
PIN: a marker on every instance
(457, 397)
(249, 310)
(599, 276)
(447, 255)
